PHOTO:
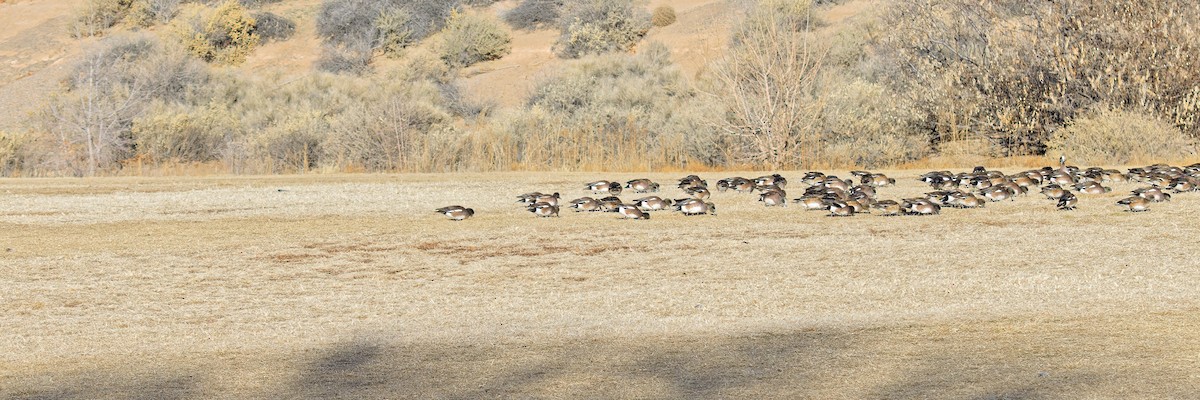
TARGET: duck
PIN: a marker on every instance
(585, 204)
(610, 203)
(1067, 201)
(609, 187)
(456, 213)
(887, 207)
(773, 198)
(630, 211)
(839, 209)
(1135, 203)
(1053, 191)
(998, 193)
(690, 181)
(1092, 187)
(652, 203)
(691, 207)
(811, 202)
(1153, 194)
(544, 210)
(642, 185)
(699, 192)
(920, 207)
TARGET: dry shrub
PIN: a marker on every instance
(769, 82)
(612, 111)
(180, 134)
(293, 144)
(469, 38)
(272, 27)
(1014, 71)
(98, 15)
(600, 26)
(534, 14)
(224, 34)
(396, 132)
(1119, 137)
(362, 27)
(865, 125)
(344, 60)
(662, 16)
(16, 152)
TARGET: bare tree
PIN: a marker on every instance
(768, 82)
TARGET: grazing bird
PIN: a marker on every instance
(773, 198)
(839, 209)
(456, 213)
(543, 210)
(1135, 203)
(1153, 194)
(610, 203)
(695, 207)
(630, 211)
(811, 202)
(609, 187)
(887, 207)
(585, 204)
(1068, 201)
(1053, 191)
(652, 203)
(699, 192)
(642, 185)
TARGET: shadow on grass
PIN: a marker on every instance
(905, 362)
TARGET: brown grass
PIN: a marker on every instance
(350, 286)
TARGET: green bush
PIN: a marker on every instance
(1118, 137)
(469, 39)
(600, 26)
(224, 34)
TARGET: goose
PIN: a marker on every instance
(456, 213)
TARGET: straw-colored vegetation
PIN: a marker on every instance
(797, 83)
(350, 286)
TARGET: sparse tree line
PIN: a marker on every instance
(1105, 81)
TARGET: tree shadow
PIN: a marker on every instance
(886, 363)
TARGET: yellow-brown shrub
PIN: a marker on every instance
(224, 34)
(1119, 137)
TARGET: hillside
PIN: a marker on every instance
(722, 84)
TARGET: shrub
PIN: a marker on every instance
(98, 15)
(291, 145)
(600, 26)
(1118, 137)
(391, 133)
(663, 16)
(469, 39)
(184, 135)
(151, 12)
(534, 14)
(864, 124)
(224, 34)
(344, 60)
(388, 25)
(272, 27)
(977, 69)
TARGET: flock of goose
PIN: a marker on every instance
(843, 197)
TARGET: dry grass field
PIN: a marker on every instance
(350, 286)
